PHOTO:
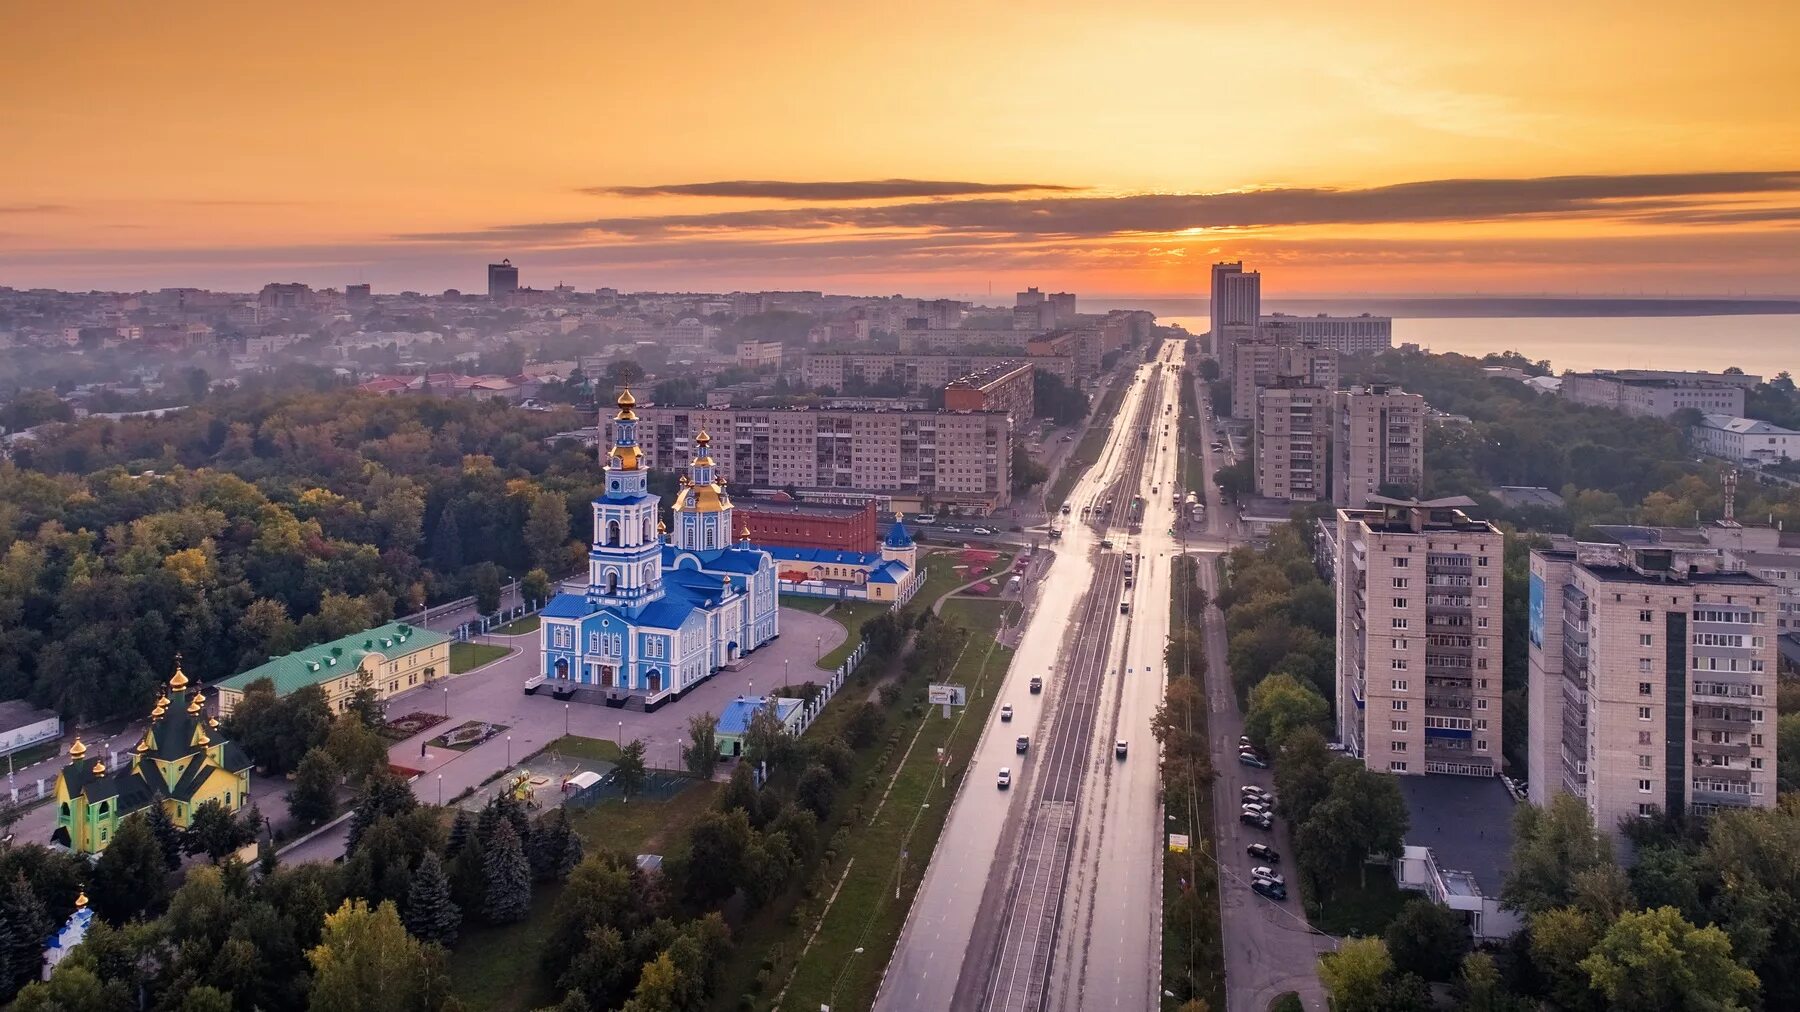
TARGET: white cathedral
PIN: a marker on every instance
(659, 615)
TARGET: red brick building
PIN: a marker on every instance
(1005, 387)
(783, 520)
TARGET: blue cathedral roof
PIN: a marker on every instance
(625, 498)
(826, 555)
(567, 606)
(889, 572)
(733, 559)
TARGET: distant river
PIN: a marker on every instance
(1764, 345)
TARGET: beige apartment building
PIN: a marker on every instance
(1290, 441)
(1265, 358)
(1378, 439)
(1652, 680)
(961, 459)
(1419, 638)
(946, 340)
(918, 371)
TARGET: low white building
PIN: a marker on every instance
(1746, 440)
(1458, 848)
(23, 725)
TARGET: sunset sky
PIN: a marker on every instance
(929, 147)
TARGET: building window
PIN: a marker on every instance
(1646, 639)
(1481, 744)
(1481, 560)
(1399, 725)
(1643, 737)
(1643, 787)
(1643, 713)
(1395, 766)
(1399, 623)
(1646, 763)
(1398, 746)
(1646, 615)
(1756, 763)
(1756, 741)
(1398, 704)
(1481, 704)
(1644, 688)
(1399, 685)
(1644, 664)
(1399, 664)
(1646, 810)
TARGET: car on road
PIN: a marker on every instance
(1065, 509)
(1105, 542)
(983, 531)
(1006, 712)
(1037, 685)
(1252, 760)
(1270, 890)
(1259, 821)
(1124, 607)
(1263, 852)
(1263, 871)
(1005, 779)
(1120, 748)
(924, 518)
(953, 530)
(1022, 744)
(1068, 439)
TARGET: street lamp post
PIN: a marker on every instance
(446, 702)
(565, 718)
(509, 750)
(440, 777)
(621, 734)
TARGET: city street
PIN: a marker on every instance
(962, 906)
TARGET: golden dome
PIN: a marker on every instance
(212, 722)
(626, 402)
(662, 528)
(180, 680)
(627, 456)
(143, 744)
(163, 700)
(701, 499)
(196, 703)
(81, 900)
(77, 750)
(159, 711)
(702, 439)
(99, 767)
(200, 737)
(744, 534)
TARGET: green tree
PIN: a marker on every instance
(508, 893)
(1551, 846)
(430, 914)
(629, 772)
(658, 989)
(1656, 959)
(535, 587)
(718, 857)
(216, 831)
(600, 968)
(1362, 816)
(1427, 939)
(72, 988)
(1561, 938)
(356, 748)
(487, 588)
(702, 754)
(383, 794)
(816, 790)
(167, 834)
(1356, 975)
(131, 876)
(24, 924)
(547, 530)
(313, 799)
(204, 998)
(365, 702)
(1279, 705)
(365, 959)
(1787, 752)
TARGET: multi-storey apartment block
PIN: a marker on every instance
(1269, 356)
(1378, 440)
(1291, 441)
(1419, 638)
(960, 459)
(1652, 680)
(838, 371)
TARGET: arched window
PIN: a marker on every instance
(648, 533)
(612, 532)
(612, 581)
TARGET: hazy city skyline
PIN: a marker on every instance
(1117, 151)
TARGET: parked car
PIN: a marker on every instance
(1259, 821)
(1271, 890)
(1037, 685)
(1005, 779)
(1251, 792)
(1022, 744)
(1263, 871)
(1252, 760)
(1006, 712)
(1065, 509)
(1120, 747)
(1245, 742)
(1263, 852)
(1253, 808)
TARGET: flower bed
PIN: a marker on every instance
(402, 728)
(467, 735)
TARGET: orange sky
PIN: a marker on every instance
(405, 144)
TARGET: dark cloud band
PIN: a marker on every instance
(856, 189)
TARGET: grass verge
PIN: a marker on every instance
(1193, 953)
(1088, 450)
(1358, 904)
(866, 913)
(466, 657)
(519, 626)
(577, 747)
(816, 605)
(851, 615)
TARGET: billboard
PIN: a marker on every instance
(948, 695)
(1536, 612)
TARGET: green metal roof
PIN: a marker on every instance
(327, 661)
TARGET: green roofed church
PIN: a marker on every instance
(180, 764)
(396, 656)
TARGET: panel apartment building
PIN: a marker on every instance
(1419, 637)
(1346, 335)
(835, 370)
(1264, 358)
(1291, 441)
(1007, 387)
(960, 459)
(1378, 440)
(1652, 681)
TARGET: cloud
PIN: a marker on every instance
(34, 208)
(1469, 200)
(856, 189)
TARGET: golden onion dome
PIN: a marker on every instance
(702, 439)
(180, 680)
(627, 456)
(162, 700)
(744, 535)
(661, 528)
(626, 402)
(200, 737)
(158, 712)
(195, 705)
(143, 744)
(99, 767)
(81, 900)
(77, 750)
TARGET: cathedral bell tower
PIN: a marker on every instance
(624, 562)
(702, 509)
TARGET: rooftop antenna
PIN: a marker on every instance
(1731, 478)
